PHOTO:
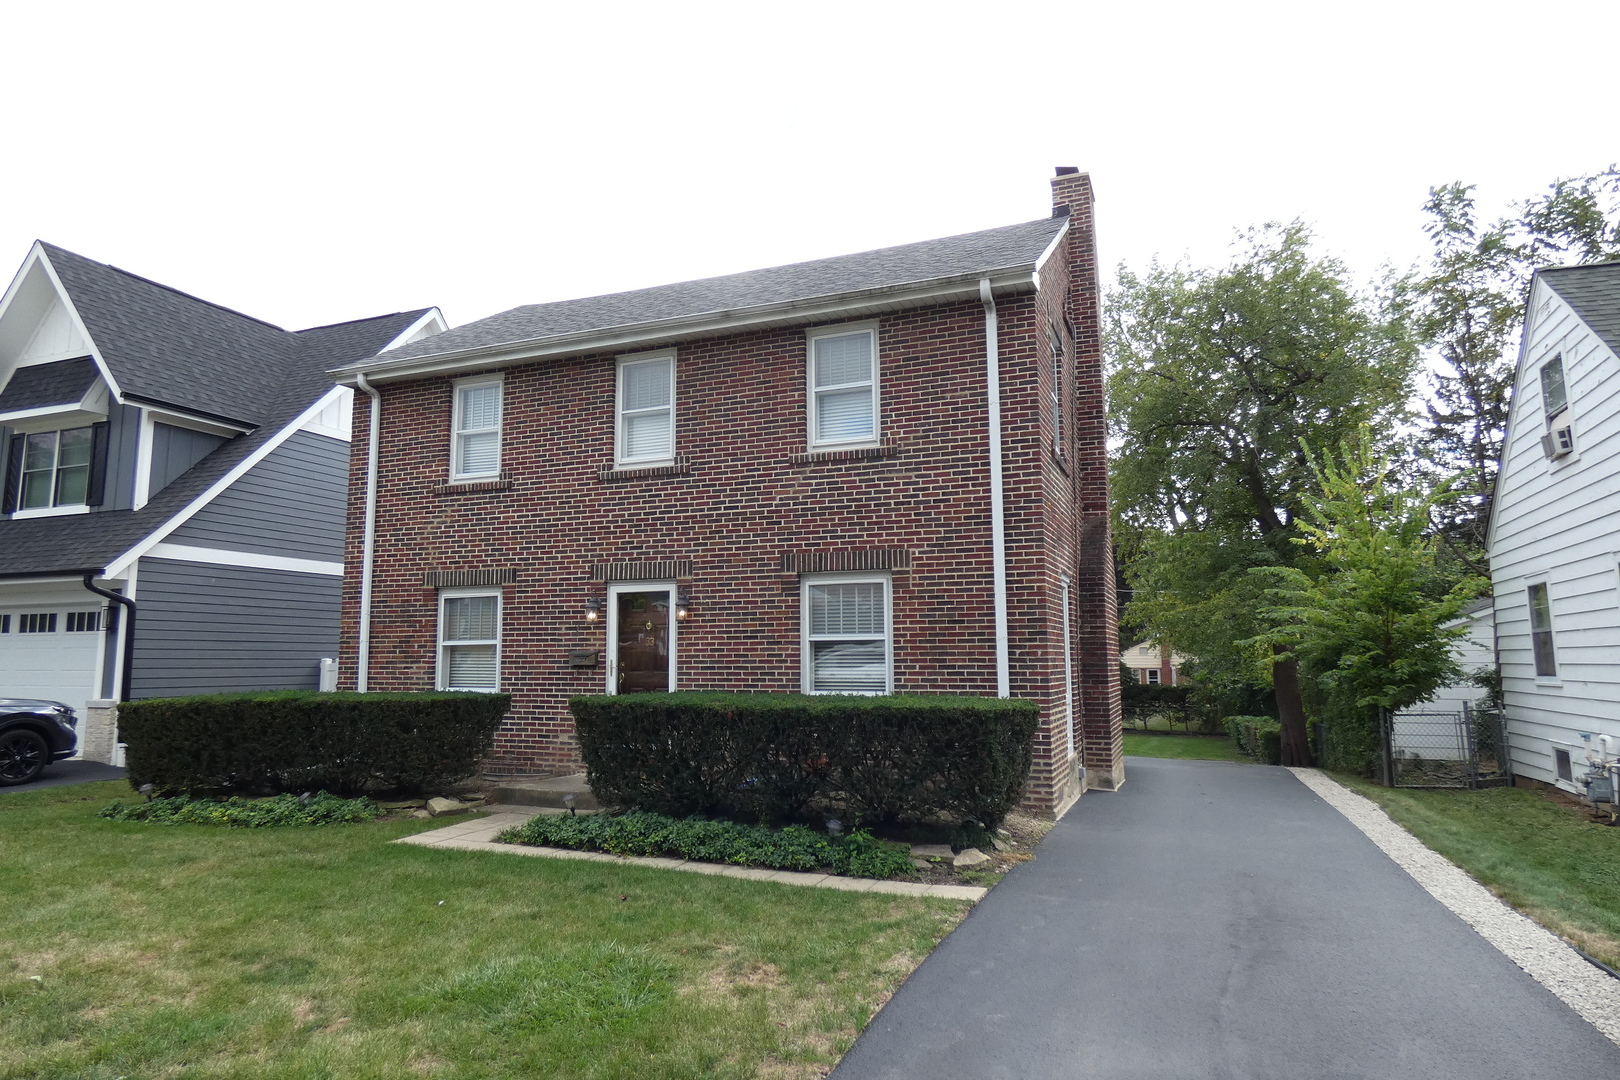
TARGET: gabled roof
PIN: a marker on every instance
(690, 305)
(80, 542)
(1594, 292)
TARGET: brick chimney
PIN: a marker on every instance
(1095, 600)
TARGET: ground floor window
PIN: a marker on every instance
(469, 639)
(1541, 633)
(847, 642)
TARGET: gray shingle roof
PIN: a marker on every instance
(1594, 292)
(46, 545)
(61, 383)
(1005, 248)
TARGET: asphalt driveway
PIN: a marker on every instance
(70, 772)
(1214, 920)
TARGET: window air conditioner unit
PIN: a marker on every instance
(1560, 442)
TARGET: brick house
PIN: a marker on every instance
(788, 479)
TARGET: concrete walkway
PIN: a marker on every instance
(1213, 920)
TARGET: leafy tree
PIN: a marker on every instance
(1466, 308)
(1216, 376)
(1367, 618)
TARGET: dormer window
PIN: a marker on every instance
(56, 468)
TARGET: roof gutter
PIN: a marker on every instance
(998, 513)
(844, 305)
(129, 631)
(363, 657)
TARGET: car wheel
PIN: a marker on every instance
(23, 756)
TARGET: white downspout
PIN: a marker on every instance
(363, 659)
(998, 516)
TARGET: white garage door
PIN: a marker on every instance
(49, 651)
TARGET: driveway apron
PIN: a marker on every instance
(1216, 920)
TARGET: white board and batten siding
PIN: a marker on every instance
(1557, 522)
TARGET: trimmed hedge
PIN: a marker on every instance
(297, 740)
(240, 813)
(1260, 737)
(792, 848)
(770, 757)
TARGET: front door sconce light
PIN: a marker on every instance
(594, 608)
(683, 604)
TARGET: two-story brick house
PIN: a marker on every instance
(882, 472)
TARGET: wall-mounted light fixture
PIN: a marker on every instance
(683, 604)
(594, 608)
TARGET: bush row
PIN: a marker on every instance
(792, 848)
(772, 756)
(239, 813)
(298, 740)
(1260, 737)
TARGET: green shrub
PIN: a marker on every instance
(770, 756)
(1260, 737)
(658, 835)
(301, 740)
(239, 813)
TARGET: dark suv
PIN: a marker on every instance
(33, 734)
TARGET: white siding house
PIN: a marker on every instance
(1555, 527)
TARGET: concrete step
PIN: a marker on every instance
(549, 792)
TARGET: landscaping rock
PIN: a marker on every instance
(932, 851)
(969, 858)
(404, 804)
(999, 844)
(922, 864)
(441, 806)
(420, 813)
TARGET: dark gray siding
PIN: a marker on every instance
(174, 450)
(123, 429)
(207, 629)
(291, 503)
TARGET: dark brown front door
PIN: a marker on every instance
(641, 641)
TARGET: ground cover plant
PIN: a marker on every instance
(321, 808)
(1183, 747)
(132, 951)
(792, 848)
(1536, 850)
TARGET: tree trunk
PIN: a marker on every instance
(1296, 744)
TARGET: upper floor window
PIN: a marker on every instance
(1541, 631)
(1554, 399)
(56, 468)
(843, 386)
(476, 443)
(1057, 389)
(646, 409)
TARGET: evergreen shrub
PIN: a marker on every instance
(773, 756)
(792, 848)
(1260, 737)
(296, 740)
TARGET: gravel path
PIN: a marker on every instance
(1592, 993)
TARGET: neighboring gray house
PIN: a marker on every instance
(1555, 528)
(184, 456)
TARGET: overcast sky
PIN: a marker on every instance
(312, 163)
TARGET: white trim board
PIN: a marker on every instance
(252, 559)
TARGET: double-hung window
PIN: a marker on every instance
(843, 386)
(847, 641)
(475, 449)
(1554, 397)
(646, 409)
(469, 640)
(1057, 390)
(56, 468)
(1541, 632)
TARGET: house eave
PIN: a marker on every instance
(1006, 281)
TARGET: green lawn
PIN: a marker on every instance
(131, 950)
(1198, 747)
(1545, 859)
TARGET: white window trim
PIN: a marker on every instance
(806, 675)
(441, 669)
(842, 330)
(613, 593)
(457, 431)
(53, 508)
(1555, 679)
(632, 360)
